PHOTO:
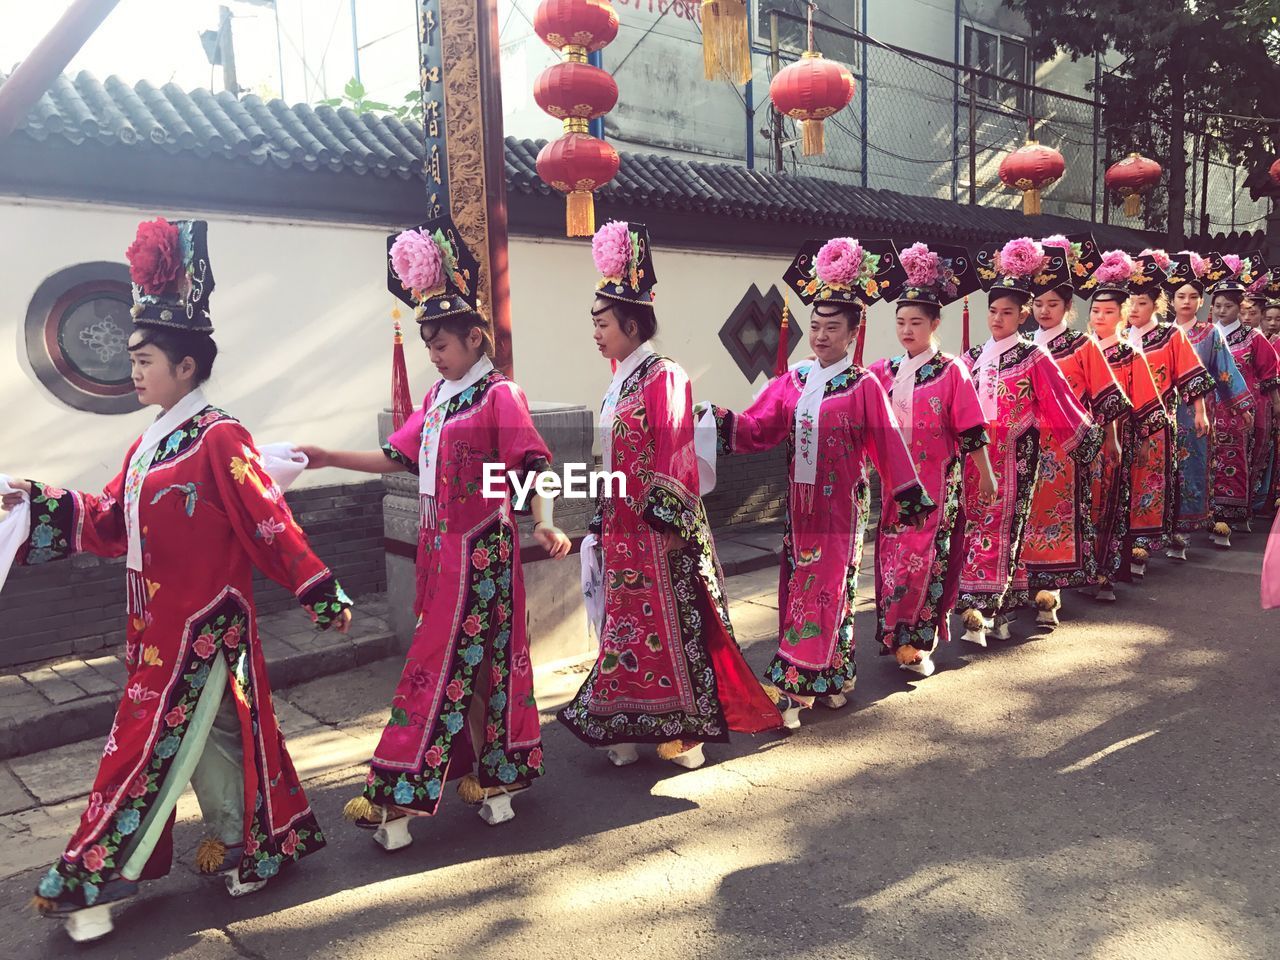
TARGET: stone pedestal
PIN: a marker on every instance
(557, 620)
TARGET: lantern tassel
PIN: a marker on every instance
(401, 398)
(1031, 203)
(580, 214)
(862, 340)
(1132, 205)
(814, 140)
(784, 339)
(726, 48)
(964, 326)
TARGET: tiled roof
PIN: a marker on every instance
(256, 132)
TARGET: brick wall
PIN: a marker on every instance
(749, 489)
(76, 606)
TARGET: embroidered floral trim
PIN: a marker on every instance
(395, 456)
(326, 602)
(483, 643)
(975, 438)
(53, 524)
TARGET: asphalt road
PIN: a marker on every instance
(1104, 791)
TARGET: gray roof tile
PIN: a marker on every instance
(250, 131)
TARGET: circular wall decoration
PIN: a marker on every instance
(77, 331)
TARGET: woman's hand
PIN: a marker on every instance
(553, 540)
(343, 623)
(1202, 421)
(11, 500)
(317, 457)
(672, 542)
(987, 486)
(1248, 419)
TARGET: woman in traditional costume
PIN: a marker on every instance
(1253, 314)
(1023, 396)
(1269, 286)
(832, 415)
(1111, 474)
(669, 670)
(941, 421)
(1241, 453)
(1062, 542)
(1196, 451)
(194, 512)
(463, 709)
(1179, 376)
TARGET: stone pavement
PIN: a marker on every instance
(1096, 793)
(42, 794)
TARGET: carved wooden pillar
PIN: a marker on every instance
(465, 158)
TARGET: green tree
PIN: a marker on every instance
(1187, 66)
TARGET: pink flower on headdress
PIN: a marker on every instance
(1116, 267)
(1057, 240)
(922, 265)
(1162, 259)
(1022, 257)
(1233, 262)
(155, 257)
(1198, 263)
(1260, 285)
(417, 262)
(839, 262)
(611, 249)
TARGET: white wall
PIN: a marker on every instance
(302, 322)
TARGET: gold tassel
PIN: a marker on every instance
(1031, 202)
(973, 619)
(772, 692)
(814, 139)
(362, 808)
(470, 791)
(580, 214)
(726, 47)
(44, 904)
(1140, 555)
(1132, 205)
(1222, 529)
(210, 854)
(906, 654)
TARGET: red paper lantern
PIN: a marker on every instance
(810, 90)
(1130, 178)
(577, 164)
(575, 93)
(576, 27)
(1031, 168)
(1275, 172)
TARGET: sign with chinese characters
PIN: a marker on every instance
(436, 157)
(464, 162)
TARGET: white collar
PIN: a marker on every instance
(1229, 328)
(994, 349)
(1045, 337)
(631, 363)
(451, 388)
(1151, 325)
(1110, 341)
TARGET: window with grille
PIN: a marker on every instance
(999, 58)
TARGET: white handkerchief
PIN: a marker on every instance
(283, 462)
(593, 582)
(15, 528)
(704, 447)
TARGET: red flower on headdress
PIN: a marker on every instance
(155, 256)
